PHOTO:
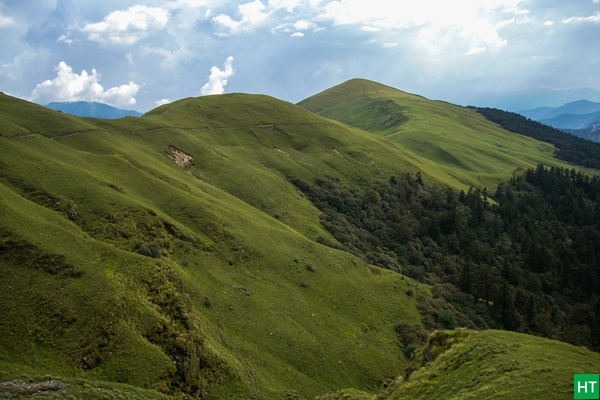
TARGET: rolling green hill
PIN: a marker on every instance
(457, 141)
(170, 255)
(120, 265)
(491, 364)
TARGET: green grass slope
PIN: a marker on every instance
(487, 365)
(21, 118)
(120, 266)
(169, 255)
(457, 141)
(250, 145)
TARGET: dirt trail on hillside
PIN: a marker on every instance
(162, 128)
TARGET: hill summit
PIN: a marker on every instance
(459, 146)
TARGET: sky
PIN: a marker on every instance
(139, 54)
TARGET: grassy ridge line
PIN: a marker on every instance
(20, 118)
(469, 149)
(496, 365)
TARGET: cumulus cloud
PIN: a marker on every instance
(218, 78)
(70, 86)
(129, 26)
(252, 14)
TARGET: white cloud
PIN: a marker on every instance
(218, 78)
(184, 4)
(227, 22)
(368, 28)
(162, 102)
(476, 50)
(65, 39)
(6, 21)
(297, 34)
(252, 14)
(435, 21)
(289, 5)
(595, 19)
(70, 86)
(549, 23)
(129, 26)
(304, 25)
(188, 12)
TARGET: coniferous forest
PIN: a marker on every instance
(570, 148)
(522, 258)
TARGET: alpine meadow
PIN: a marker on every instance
(365, 243)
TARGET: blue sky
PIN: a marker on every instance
(137, 54)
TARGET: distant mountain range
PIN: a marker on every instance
(581, 118)
(92, 110)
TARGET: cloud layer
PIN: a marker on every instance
(291, 49)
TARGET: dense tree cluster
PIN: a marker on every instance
(523, 258)
(571, 148)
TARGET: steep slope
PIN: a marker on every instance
(487, 365)
(457, 141)
(127, 257)
(92, 110)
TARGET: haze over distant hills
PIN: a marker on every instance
(527, 99)
(92, 110)
(581, 118)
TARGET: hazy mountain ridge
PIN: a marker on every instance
(576, 107)
(92, 110)
(578, 117)
(208, 276)
(573, 121)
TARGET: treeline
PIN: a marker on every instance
(523, 258)
(571, 148)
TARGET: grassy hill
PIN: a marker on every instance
(467, 148)
(486, 365)
(169, 255)
(120, 265)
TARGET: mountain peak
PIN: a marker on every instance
(92, 109)
(362, 87)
